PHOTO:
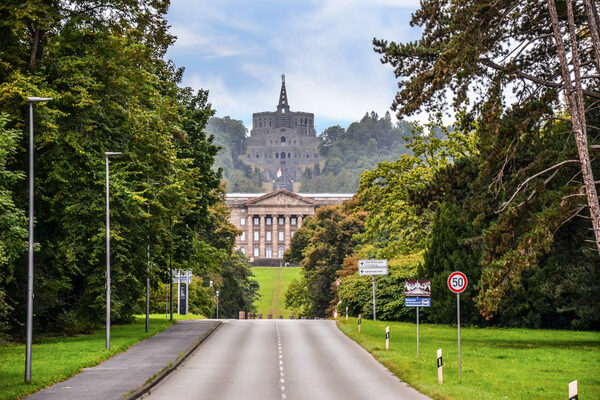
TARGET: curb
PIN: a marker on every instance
(153, 381)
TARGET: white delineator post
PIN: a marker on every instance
(573, 391)
(359, 321)
(387, 337)
(346, 313)
(439, 364)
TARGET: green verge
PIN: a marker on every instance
(58, 358)
(273, 282)
(496, 363)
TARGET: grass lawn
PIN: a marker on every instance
(496, 363)
(273, 283)
(56, 359)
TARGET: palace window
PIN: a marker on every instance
(281, 236)
(269, 252)
(293, 220)
(269, 220)
(243, 237)
(280, 252)
(256, 236)
(281, 220)
(283, 139)
(256, 252)
(292, 234)
(243, 250)
(242, 221)
(268, 236)
(256, 220)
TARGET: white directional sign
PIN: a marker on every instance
(372, 267)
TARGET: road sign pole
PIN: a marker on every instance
(417, 331)
(374, 306)
(458, 319)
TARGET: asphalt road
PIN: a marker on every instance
(281, 359)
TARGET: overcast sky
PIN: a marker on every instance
(239, 49)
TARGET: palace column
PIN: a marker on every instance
(275, 234)
(250, 236)
(286, 235)
(299, 221)
(262, 237)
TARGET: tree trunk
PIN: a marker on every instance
(34, 49)
(592, 16)
(574, 94)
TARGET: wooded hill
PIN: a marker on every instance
(347, 153)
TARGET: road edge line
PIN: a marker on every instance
(155, 380)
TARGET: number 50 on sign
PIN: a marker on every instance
(457, 282)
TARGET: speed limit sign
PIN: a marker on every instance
(457, 282)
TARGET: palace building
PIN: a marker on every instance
(268, 221)
(282, 144)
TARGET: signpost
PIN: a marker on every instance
(373, 267)
(417, 293)
(457, 283)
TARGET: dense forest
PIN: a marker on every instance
(503, 196)
(102, 63)
(347, 153)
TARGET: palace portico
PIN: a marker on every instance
(268, 221)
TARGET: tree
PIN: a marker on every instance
(479, 50)
(13, 233)
(332, 238)
(102, 62)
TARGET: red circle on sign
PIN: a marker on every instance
(457, 282)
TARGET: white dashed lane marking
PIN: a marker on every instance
(281, 371)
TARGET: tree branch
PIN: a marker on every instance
(526, 181)
(489, 63)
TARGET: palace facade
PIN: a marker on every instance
(268, 221)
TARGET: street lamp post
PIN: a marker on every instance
(171, 267)
(217, 304)
(30, 255)
(108, 154)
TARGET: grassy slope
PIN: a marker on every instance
(496, 363)
(56, 359)
(273, 283)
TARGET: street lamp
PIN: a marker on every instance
(108, 154)
(30, 255)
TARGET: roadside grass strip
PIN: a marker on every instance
(273, 282)
(496, 363)
(58, 358)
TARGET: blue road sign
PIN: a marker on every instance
(417, 302)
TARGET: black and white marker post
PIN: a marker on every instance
(387, 337)
(359, 321)
(573, 395)
(457, 283)
(439, 365)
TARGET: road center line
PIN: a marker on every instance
(280, 357)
